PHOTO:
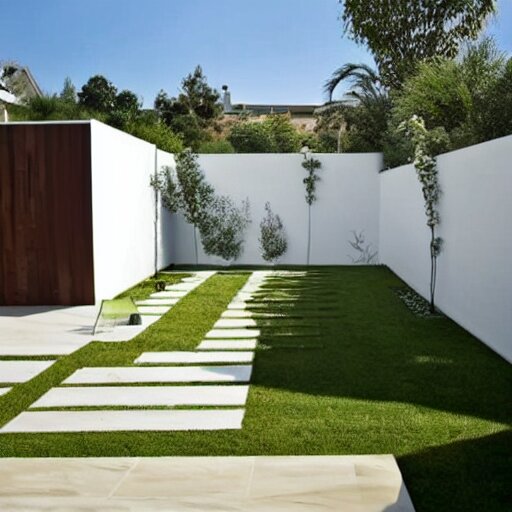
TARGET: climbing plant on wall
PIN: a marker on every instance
(426, 170)
(312, 165)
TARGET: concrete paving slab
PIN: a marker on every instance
(227, 345)
(130, 420)
(168, 295)
(45, 330)
(153, 310)
(233, 333)
(194, 357)
(142, 374)
(104, 396)
(197, 484)
(184, 287)
(237, 313)
(3, 391)
(22, 371)
(238, 305)
(157, 302)
(230, 323)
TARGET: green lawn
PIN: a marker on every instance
(359, 374)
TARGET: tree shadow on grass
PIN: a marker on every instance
(467, 475)
(372, 347)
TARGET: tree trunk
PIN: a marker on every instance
(195, 245)
(309, 233)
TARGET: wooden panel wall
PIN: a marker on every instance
(46, 251)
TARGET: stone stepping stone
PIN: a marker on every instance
(3, 391)
(236, 313)
(153, 310)
(157, 302)
(233, 333)
(237, 305)
(109, 421)
(168, 295)
(148, 320)
(134, 396)
(15, 348)
(227, 345)
(194, 357)
(21, 371)
(142, 374)
(230, 323)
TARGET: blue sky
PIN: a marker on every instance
(267, 51)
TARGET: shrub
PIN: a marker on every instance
(156, 133)
(273, 243)
(217, 146)
(223, 227)
(250, 137)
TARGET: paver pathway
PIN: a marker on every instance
(225, 357)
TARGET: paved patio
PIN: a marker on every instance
(355, 483)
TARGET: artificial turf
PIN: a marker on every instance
(347, 369)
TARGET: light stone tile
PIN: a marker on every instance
(21, 371)
(238, 305)
(232, 333)
(142, 374)
(236, 313)
(227, 345)
(168, 295)
(35, 348)
(194, 357)
(143, 396)
(230, 323)
(3, 391)
(157, 302)
(153, 310)
(148, 320)
(40, 478)
(131, 420)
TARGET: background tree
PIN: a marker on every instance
(98, 94)
(68, 93)
(402, 33)
(193, 112)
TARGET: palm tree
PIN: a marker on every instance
(365, 107)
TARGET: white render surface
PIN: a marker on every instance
(108, 421)
(143, 396)
(348, 483)
(474, 280)
(230, 323)
(227, 345)
(348, 199)
(3, 391)
(142, 374)
(232, 333)
(194, 357)
(22, 371)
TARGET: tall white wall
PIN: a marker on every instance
(347, 199)
(474, 285)
(123, 211)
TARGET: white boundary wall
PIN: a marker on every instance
(123, 205)
(474, 284)
(347, 199)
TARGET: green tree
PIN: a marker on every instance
(68, 93)
(361, 118)
(402, 33)
(194, 110)
(98, 94)
(251, 137)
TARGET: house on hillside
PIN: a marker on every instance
(16, 84)
(302, 116)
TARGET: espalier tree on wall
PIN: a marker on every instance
(189, 194)
(219, 221)
(223, 228)
(311, 165)
(273, 243)
(426, 170)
